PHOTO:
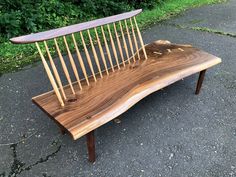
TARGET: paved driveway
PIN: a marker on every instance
(170, 133)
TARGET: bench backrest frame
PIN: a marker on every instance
(130, 45)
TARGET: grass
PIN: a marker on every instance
(15, 57)
(209, 30)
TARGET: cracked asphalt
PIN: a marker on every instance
(170, 133)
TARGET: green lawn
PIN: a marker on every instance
(14, 57)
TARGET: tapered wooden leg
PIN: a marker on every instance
(63, 131)
(91, 146)
(200, 81)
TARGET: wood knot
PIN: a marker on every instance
(72, 100)
(88, 117)
(158, 53)
(169, 50)
(181, 49)
(133, 66)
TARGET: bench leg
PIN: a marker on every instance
(200, 81)
(91, 146)
(63, 131)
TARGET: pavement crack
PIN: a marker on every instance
(18, 167)
(45, 175)
(204, 29)
(3, 174)
(42, 160)
(21, 140)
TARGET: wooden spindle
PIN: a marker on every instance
(107, 48)
(72, 63)
(58, 79)
(94, 53)
(113, 46)
(50, 76)
(129, 39)
(119, 45)
(140, 38)
(101, 51)
(124, 42)
(87, 56)
(80, 59)
(135, 39)
(64, 66)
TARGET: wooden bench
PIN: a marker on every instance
(123, 71)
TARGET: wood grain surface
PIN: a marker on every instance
(115, 93)
(54, 33)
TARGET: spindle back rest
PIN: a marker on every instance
(118, 32)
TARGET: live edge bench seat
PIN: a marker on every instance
(112, 95)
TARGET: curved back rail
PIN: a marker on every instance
(120, 31)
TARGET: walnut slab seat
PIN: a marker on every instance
(106, 99)
(123, 71)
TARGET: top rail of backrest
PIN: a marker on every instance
(50, 34)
